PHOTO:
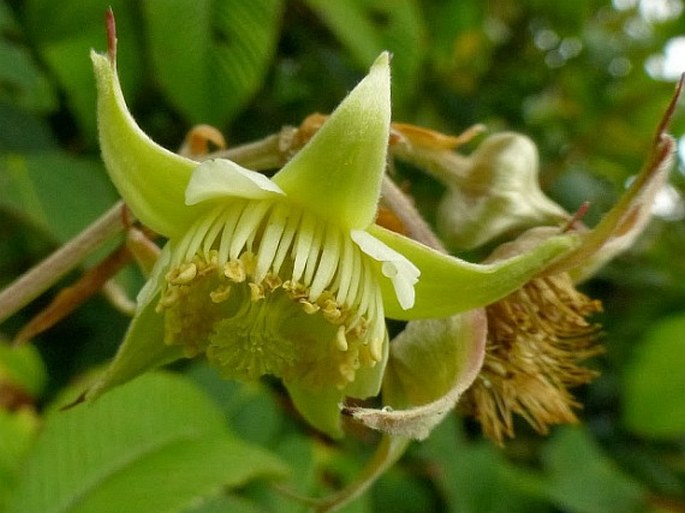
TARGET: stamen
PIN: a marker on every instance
(247, 226)
(328, 264)
(183, 274)
(305, 237)
(286, 240)
(341, 339)
(271, 239)
(235, 271)
(345, 270)
(234, 213)
(314, 253)
(221, 294)
(213, 233)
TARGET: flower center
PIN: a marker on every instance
(262, 287)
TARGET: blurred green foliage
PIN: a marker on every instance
(584, 79)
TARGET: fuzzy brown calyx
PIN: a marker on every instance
(538, 337)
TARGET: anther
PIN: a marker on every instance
(235, 271)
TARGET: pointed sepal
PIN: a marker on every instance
(143, 350)
(338, 173)
(151, 179)
(449, 285)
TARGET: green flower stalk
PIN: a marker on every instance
(285, 276)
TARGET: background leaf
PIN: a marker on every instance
(582, 480)
(22, 82)
(65, 32)
(367, 27)
(150, 446)
(655, 381)
(17, 432)
(23, 368)
(210, 56)
(54, 191)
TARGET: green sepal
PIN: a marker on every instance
(151, 179)
(338, 173)
(143, 349)
(449, 285)
(320, 408)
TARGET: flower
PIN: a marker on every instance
(285, 276)
(538, 336)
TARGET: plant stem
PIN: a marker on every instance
(40, 278)
(405, 210)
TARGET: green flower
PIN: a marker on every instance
(287, 276)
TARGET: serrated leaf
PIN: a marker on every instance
(210, 56)
(153, 446)
(368, 27)
(64, 32)
(654, 382)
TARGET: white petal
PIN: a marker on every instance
(221, 178)
(401, 272)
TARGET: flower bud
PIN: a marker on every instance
(496, 194)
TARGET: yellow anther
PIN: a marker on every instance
(272, 281)
(309, 308)
(249, 261)
(183, 274)
(235, 271)
(256, 292)
(220, 294)
(169, 297)
(341, 339)
(331, 310)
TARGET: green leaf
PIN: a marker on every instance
(653, 402)
(477, 476)
(226, 504)
(155, 445)
(17, 432)
(367, 27)
(583, 480)
(23, 368)
(210, 57)
(21, 131)
(23, 82)
(56, 192)
(65, 31)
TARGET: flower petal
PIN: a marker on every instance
(221, 178)
(449, 285)
(432, 362)
(321, 408)
(401, 272)
(368, 380)
(151, 179)
(338, 173)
